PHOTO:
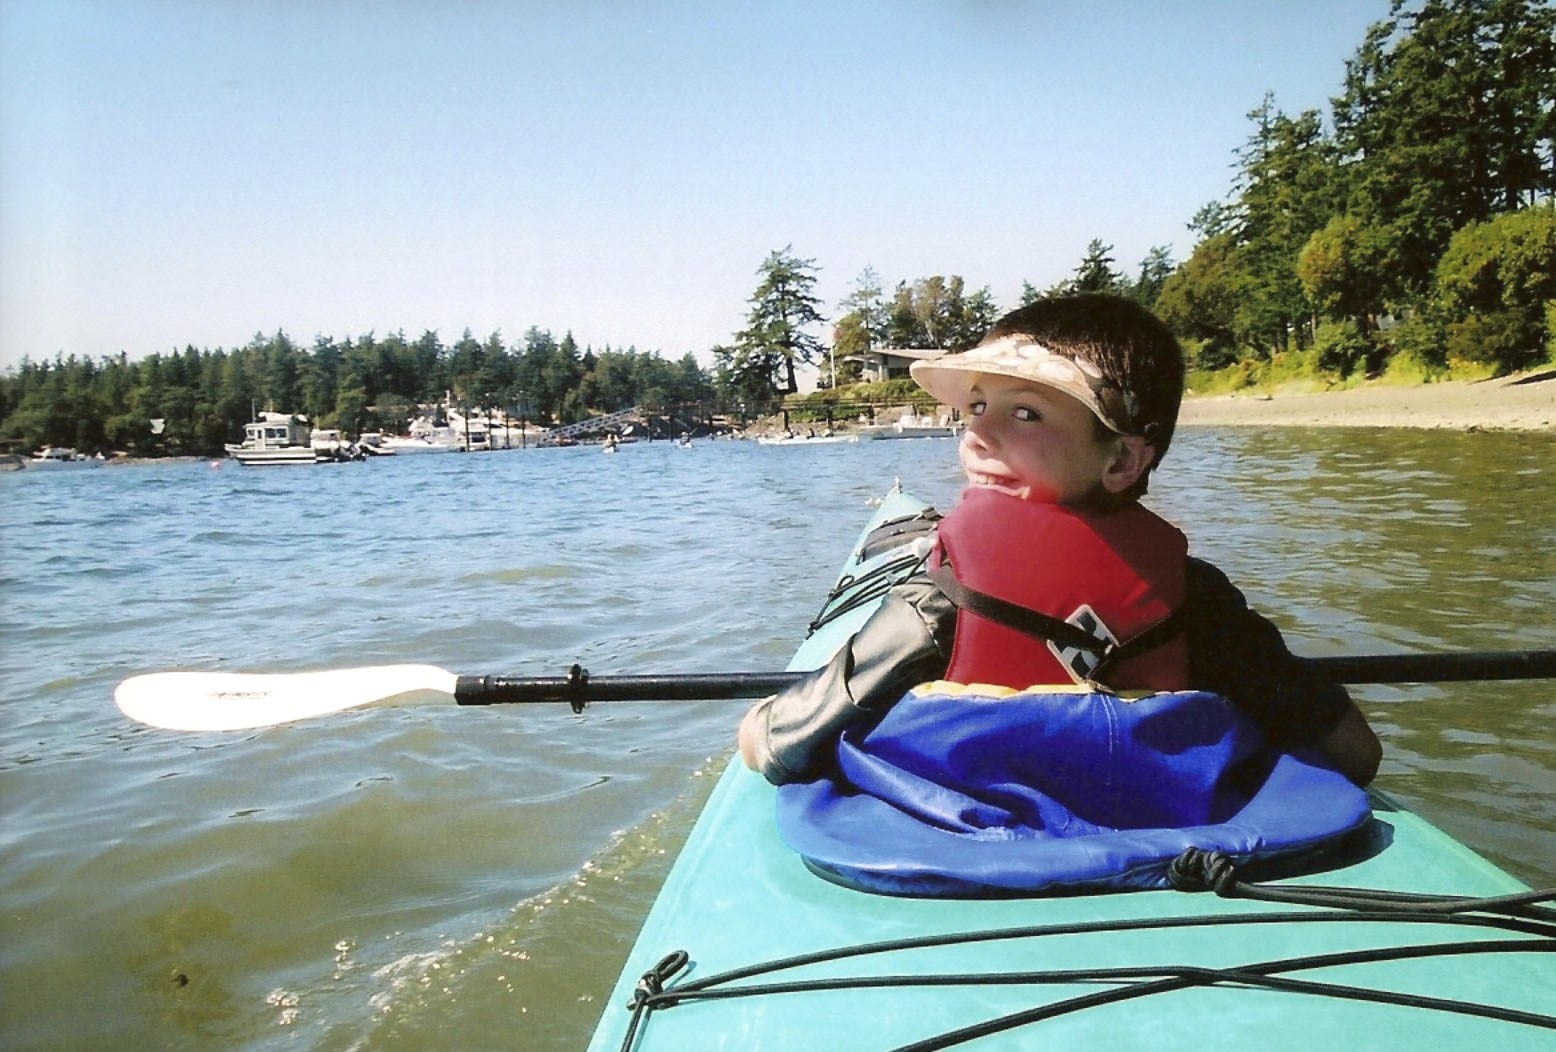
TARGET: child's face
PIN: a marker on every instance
(1033, 442)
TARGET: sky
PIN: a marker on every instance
(194, 173)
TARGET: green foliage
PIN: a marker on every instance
(1494, 287)
(847, 403)
(1508, 262)
(1097, 272)
(1505, 340)
(1199, 300)
(1339, 269)
(1420, 348)
(762, 362)
(938, 312)
(861, 327)
(1286, 195)
(1155, 269)
(1342, 347)
(1422, 205)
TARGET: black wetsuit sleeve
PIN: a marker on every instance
(1235, 652)
(906, 641)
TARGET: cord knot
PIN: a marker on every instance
(1197, 869)
(652, 982)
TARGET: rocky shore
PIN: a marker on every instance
(1524, 402)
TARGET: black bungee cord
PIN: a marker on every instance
(1195, 871)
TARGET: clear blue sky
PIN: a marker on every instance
(177, 173)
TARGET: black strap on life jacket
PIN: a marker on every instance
(1047, 628)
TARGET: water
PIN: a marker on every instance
(429, 876)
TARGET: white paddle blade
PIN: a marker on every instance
(235, 701)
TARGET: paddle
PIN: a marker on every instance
(230, 701)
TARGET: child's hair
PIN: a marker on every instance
(1136, 354)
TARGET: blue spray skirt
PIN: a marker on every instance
(957, 794)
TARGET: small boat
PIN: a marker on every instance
(51, 458)
(471, 432)
(329, 444)
(371, 443)
(275, 439)
(420, 443)
(913, 425)
(1403, 938)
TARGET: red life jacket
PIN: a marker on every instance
(1116, 576)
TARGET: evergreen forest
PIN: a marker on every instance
(1410, 230)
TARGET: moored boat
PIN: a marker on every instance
(422, 443)
(371, 443)
(54, 457)
(912, 425)
(275, 439)
(426, 434)
(329, 444)
(1396, 937)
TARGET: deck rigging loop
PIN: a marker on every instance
(852, 592)
(650, 990)
(1197, 869)
(652, 982)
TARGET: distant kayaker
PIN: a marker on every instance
(1071, 403)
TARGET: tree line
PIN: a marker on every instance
(194, 401)
(1413, 227)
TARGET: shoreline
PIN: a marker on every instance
(1522, 402)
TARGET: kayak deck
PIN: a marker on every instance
(1140, 970)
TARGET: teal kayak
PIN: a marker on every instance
(1414, 941)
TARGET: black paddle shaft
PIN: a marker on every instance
(1439, 668)
(578, 688)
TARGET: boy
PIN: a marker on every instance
(1071, 403)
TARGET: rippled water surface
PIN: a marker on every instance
(426, 875)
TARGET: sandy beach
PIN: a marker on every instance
(1525, 402)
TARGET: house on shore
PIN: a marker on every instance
(890, 363)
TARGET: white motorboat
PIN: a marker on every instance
(419, 443)
(330, 444)
(275, 438)
(372, 443)
(470, 431)
(428, 434)
(55, 457)
(913, 425)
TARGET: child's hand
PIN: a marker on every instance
(747, 736)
